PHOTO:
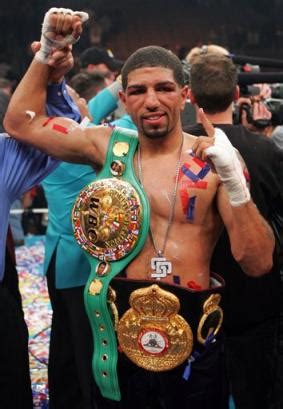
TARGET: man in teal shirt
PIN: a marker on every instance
(67, 267)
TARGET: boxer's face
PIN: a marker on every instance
(154, 100)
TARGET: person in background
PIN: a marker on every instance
(88, 84)
(195, 52)
(22, 167)
(97, 59)
(251, 307)
(105, 103)
(101, 60)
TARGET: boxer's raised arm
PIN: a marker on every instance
(26, 120)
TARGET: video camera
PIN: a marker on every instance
(250, 74)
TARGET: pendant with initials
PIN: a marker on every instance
(161, 267)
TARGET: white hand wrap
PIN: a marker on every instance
(228, 166)
(47, 32)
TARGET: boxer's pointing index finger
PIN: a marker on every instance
(209, 128)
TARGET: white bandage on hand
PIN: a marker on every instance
(229, 168)
(46, 40)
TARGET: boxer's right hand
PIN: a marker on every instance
(61, 27)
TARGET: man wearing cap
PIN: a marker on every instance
(96, 59)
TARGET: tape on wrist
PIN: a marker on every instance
(47, 43)
(229, 168)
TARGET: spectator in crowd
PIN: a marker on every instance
(88, 84)
(96, 59)
(195, 52)
(102, 106)
(251, 306)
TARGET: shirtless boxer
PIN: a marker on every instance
(189, 202)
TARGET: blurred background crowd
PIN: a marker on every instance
(244, 27)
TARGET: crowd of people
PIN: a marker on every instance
(186, 309)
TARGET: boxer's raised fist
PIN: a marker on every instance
(60, 27)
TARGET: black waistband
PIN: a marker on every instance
(191, 301)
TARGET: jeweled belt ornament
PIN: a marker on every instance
(111, 222)
(107, 218)
(151, 333)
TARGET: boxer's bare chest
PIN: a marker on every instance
(184, 222)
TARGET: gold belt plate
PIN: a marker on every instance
(106, 218)
(151, 333)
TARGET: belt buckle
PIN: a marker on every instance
(151, 333)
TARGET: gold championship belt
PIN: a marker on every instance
(106, 219)
(151, 333)
(111, 222)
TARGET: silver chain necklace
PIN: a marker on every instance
(160, 266)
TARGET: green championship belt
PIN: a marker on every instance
(111, 222)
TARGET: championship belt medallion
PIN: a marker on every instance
(151, 333)
(106, 218)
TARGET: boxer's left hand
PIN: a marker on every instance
(217, 148)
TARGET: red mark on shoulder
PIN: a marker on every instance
(46, 122)
(60, 128)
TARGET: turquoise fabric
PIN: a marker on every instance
(61, 188)
(103, 104)
(100, 106)
(231, 403)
